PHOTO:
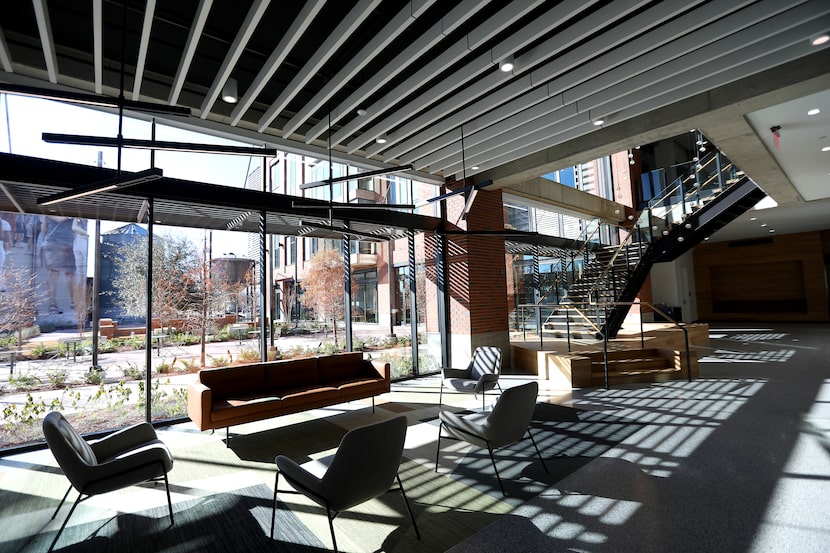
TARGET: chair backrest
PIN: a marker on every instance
(510, 417)
(71, 451)
(365, 464)
(486, 360)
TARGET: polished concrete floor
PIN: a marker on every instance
(737, 461)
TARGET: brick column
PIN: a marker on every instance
(477, 290)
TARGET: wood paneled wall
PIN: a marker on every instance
(775, 278)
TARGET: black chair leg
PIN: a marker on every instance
(440, 393)
(61, 503)
(72, 510)
(437, 447)
(537, 451)
(331, 528)
(408, 508)
(169, 502)
(495, 468)
(274, 509)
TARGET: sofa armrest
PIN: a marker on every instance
(199, 401)
(382, 368)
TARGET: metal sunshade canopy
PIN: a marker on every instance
(191, 204)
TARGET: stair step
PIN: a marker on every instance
(626, 366)
(630, 377)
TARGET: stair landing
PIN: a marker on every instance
(660, 356)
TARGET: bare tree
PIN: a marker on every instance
(174, 256)
(323, 287)
(19, 305)
(207, 287)
(81, 292)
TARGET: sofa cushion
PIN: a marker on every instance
(291, 373)
(241, 406)
(341, 366)
(309, 397)
(240, 380)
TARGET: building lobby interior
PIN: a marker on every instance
(481, 102)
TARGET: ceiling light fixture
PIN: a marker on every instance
(826, 149)
(361, 112)
(141, 144)
(506, 65)
(381, 139)
(121, 181)
(814, 111)
(598, 122)
(230, 91)
(820, 39)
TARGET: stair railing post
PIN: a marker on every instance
(719, 169)
(688, 353)
(568, 327)
(642, 332)
(605, 349)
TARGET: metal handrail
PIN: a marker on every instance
(566, 266)
(566, 307)
(681, 326)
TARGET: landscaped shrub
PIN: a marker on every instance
(57, 377)
(189, 364)
(248, 355)
(25, 381)
(95, 375)
(134, 372)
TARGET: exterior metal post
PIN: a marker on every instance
(148, 336)
(263, 287)
(442, 296)
(347, 289)
(96, 292)
(413, 301)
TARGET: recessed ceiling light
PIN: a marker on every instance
(763, 225)
(598, 122)
(819, 40)
(814, 111)
(772, 230)
(826, 149)
(474, 167)
(752, 218)
(381, 140)
(506, 64)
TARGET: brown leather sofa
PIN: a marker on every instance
(227, 396)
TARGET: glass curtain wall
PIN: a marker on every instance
(48, 306)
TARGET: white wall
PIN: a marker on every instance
(673, 284)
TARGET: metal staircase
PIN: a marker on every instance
(594, 298)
